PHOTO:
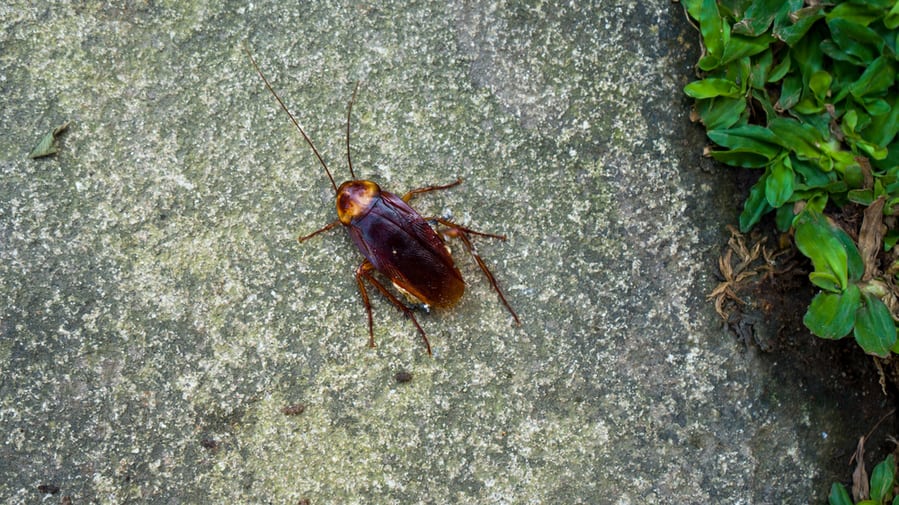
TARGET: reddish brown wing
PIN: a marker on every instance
(402, 246)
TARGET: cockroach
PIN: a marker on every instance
(395, 239)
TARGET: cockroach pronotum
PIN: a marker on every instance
(395, 239)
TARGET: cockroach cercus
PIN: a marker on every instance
(395, 240)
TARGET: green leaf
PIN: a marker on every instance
(825, 280)
(848, 126)
(780, 70)
(744, 158)
(715, 35)
(843, 161)
(892, 159)
(757, 18)
(748, 137)
(720, 112)
(807, 56)
(838, 495)
(712, 87)
(694, 8)
(855, 265)
(821, 125)
(849, 122)
(761, 67)
(877, 78)
(802, 139)
(810, 175)
(875, 330)
(890, 239)
(882, 478)
(832, 315)
(784, 218)
(817, 202)
(844, 74)
(779, 186)
(818, 240)
(875, 106)
(857, 42)
(790, 31)
(764, 101)
(808, 106)
(861, 196)
(874, 151)
(739, 46)
(790, 91)
(831, 49)
(883, 128)
(820, 85)
(891, 20)
(740, 70)
(858, 13)
(755, 206)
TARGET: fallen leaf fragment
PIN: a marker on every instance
(47, 145)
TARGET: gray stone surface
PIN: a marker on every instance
(158, 314)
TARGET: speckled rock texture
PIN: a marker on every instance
(165, 339)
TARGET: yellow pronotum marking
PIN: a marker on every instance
(354, 198)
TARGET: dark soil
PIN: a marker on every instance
(837, 374)
(858, 394)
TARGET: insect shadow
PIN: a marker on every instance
(395, 239)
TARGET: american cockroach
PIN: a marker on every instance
(396, 240)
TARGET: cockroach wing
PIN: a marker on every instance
(400, 244)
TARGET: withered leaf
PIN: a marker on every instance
(870, 236)
(47, 145)
(860, 488)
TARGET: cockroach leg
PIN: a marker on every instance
(409, 194)
(456, 231)
(323, 229)
(363, 273)
(453, 226)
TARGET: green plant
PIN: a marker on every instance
(846, 303)
(880, 488)
(807, 95)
